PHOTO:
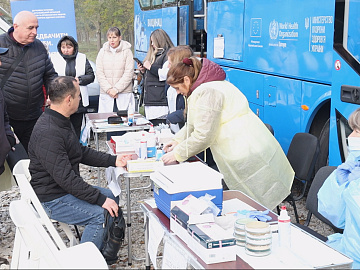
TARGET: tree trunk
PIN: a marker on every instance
(98, 36)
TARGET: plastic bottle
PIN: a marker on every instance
(130, 115)
(151, 143)
(143, 147)
(284, 228)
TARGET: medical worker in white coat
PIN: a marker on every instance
(219, 117)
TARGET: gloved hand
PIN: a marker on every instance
(355, 174)
(348, 172)
(259, 215)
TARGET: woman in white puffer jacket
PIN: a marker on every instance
(114, 70)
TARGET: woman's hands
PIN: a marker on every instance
(141, 68)
(170, 146)
(112, 93)
(169, 157)
(147, 65)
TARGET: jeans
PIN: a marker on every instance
(71, 210)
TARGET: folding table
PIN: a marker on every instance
(315, 253)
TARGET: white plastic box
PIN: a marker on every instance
(175, 182)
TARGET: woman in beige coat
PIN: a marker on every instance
(114, 70)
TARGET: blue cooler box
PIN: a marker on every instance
(175, 182)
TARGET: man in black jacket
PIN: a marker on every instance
(22, 83)
(55, 154)
(7, 139)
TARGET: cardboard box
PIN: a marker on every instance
(143, 165)
(122, 144)
(189, 207)
(210, 235)
(175, 182)
(209, 256)
(113, 150)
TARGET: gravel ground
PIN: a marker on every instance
(7, 228)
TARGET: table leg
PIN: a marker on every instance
(128, 220)
(147, 257)
(97, 149)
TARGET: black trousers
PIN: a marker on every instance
(23, 130)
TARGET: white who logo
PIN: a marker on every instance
(274, 29)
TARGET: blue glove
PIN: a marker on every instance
(355, 174)
(242, 212)
(348, 172)
(259, 215)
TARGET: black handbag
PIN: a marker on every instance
(114, 236)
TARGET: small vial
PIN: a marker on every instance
(159, 154)
(130, 115)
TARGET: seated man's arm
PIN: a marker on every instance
(49, 156)
(95, 158)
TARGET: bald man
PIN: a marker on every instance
(22, 82)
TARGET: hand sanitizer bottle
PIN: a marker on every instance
(284, 228)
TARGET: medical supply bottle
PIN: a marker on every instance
(143, 147)
(130, 115)
(151, 142)
(284, 228)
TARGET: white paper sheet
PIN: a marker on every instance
(156, 234)
(233, 205)
(219, 46)
(112, 175)
(173, 258)
(151, 202)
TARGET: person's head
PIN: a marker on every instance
(182, 75)
(114, 37)
(354, 137)
(3, 51)
(64, 94)
(159, 42)
(178, 53)
(67, 47)
(25, 27)
(354, 123)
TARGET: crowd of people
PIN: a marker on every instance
(192, 94)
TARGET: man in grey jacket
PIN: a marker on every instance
(22, 82)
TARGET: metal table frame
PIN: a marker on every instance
(95, 118)
(127, 177)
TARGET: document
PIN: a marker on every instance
(156, 234)
(173, 258)
(219, 47)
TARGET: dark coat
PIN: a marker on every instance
(154, 90)
(5, 134)
(55, 154)
(23, 91)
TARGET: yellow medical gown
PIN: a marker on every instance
(246, 153)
